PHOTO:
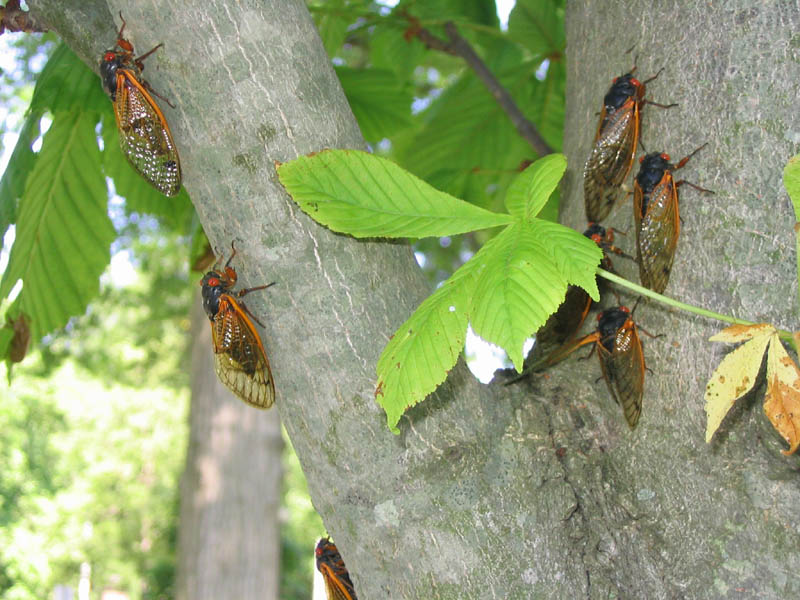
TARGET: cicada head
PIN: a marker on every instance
(623, 87)
(609, 322)
(214, 285)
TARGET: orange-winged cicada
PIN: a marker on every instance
(619, 348)
(657, 217)
(144, 135)
(337, 580)
(239, 357)
(615, 142)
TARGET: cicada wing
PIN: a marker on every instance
(239, 357)
(623, 370)
(336, 587)
(611, 159)
(145, 137)
(657, 232)
(561, 327)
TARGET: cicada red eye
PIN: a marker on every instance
(239, 357)
(657, 220)
(621, 360)
(338, 585)
(614, 148)
(145, 137)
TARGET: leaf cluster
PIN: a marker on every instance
(506, 291)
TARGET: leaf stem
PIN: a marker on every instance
(703, 312)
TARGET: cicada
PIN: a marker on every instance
(144, 135)
(615, 143)
(239, 357)
(337, 580)
(657, 217)
(621, 359)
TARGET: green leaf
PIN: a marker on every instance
(424, 348)
(20, 164)
(518, 289)
(66, 83)
(389, 49)
(140, 196)
(332, 25)
(791, 181)
(366, 196)
(545, 106)
(576, 257)
(538, 25)
(63, 230)
(380, 103)
(528, 193)
(466, 130)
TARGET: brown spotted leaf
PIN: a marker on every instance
(736, 374)
(782, 402)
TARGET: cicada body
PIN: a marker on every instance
(614, 147)
(337, 580)
(239, 357)
(621, 360)
(656, 215)
(144, 135)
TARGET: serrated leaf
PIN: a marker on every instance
(63, 231)
(741, 333)
(140, 196)
(517, 291)
(379, 101)
(791, 181)
(576, 257)
(782, 401)
(366, 196)
(424, 348)
(531, 189)
(538, 25)
(733, 378)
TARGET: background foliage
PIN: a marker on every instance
(92, 417)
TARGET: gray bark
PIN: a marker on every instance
(515, 492)
(229, 535)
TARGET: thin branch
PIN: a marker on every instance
(458, 46)
(14, 19)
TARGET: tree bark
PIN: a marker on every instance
(229, 536)
(517, 492)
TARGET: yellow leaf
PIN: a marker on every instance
(782, 402)
(741, 333)
(734, 377)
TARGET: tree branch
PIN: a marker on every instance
(458, 46)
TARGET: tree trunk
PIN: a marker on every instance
(229, 543)
(522, 491)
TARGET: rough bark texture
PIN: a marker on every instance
(229, 543)
(527, 491)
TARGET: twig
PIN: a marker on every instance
(458, 46)
(14, 19)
